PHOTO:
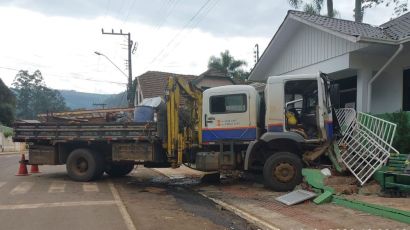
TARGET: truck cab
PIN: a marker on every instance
(269, 132)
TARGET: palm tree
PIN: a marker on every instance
(228, 65)
(314, 7)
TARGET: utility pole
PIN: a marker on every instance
(256, 53)
(130, 43)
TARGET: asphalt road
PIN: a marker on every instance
(143, 200)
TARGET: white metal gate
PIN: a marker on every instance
(366, 143)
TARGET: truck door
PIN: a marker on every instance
(226, 116)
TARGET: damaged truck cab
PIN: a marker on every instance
(269, 131)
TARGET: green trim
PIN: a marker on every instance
(378, 210)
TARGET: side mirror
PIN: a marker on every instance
(335, 95)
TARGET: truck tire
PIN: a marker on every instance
(119, 169)
(99, 172)
(83, 165)
(282, 171)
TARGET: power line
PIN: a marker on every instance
(190, 30)
(68, 77)
(180, 31)
(172, 7)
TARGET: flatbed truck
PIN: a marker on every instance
(224, 128)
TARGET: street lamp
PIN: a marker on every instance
(129, 86)
(101, 54)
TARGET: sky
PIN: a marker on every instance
(59, 38)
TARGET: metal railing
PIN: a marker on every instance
(366, 143)
(345, 117)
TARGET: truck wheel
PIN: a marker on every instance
(83, 165)
(99, 172)
(282, 171)
(119, 169)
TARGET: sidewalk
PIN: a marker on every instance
(257, 205)
(11, 153)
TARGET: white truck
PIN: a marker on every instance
(275, 132)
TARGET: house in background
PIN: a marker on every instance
(370, 63)
(212, 78)
(153, 83)
(6, 142)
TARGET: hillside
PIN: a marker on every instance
(81, 100)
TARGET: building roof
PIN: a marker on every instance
(153, 83)
(398, 28)
(211, 72)
(394, 30)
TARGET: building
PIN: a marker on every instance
(153, 83)
(370, 63)
(212, 78)
(6, 142)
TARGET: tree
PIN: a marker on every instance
(7, 105)
(314, 6)
(33, 97)
(228, 65)
(400, 7)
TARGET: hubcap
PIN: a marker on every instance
(81, 165)
(284, 172)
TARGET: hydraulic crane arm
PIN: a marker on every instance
(184, 118)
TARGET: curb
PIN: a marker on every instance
(9, 153)
(245, 215)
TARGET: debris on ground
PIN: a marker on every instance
(296, 197)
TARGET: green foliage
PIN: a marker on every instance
(7, 132)
(401, 140)
(314, 6)
(7, 105)
(399, 6)
(228, 65)
(33, 97)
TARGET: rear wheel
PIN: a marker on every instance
(119, 169)
(83, 165)
(282, 171)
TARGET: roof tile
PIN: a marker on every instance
(395, 29)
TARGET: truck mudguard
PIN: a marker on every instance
(269, 136)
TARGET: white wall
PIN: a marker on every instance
(7, 144)
(387, 91)
(309, 46)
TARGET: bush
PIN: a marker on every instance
(401, 140)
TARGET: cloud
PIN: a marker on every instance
(63, 49)
(219, 17)
(60, 37)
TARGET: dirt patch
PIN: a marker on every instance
(157, 202)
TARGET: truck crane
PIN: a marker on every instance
(275, 132)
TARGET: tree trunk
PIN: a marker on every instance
(358, 14)
(330, 12)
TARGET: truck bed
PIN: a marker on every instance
(33, 132)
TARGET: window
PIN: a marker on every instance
(406, 90)
(235, 103)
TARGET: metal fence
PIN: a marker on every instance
(366, 143)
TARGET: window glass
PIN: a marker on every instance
(235, 103)
(406, 90)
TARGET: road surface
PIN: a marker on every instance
(143, 200)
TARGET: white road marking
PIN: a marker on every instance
(90, 187)
(2, 184)
(22, 188)
(56, 187)
(123, 210)
(56, 204)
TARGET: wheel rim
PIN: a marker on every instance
(81, 165)
(284, 172)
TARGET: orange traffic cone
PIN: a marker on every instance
(23, 167)
(34, 169)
